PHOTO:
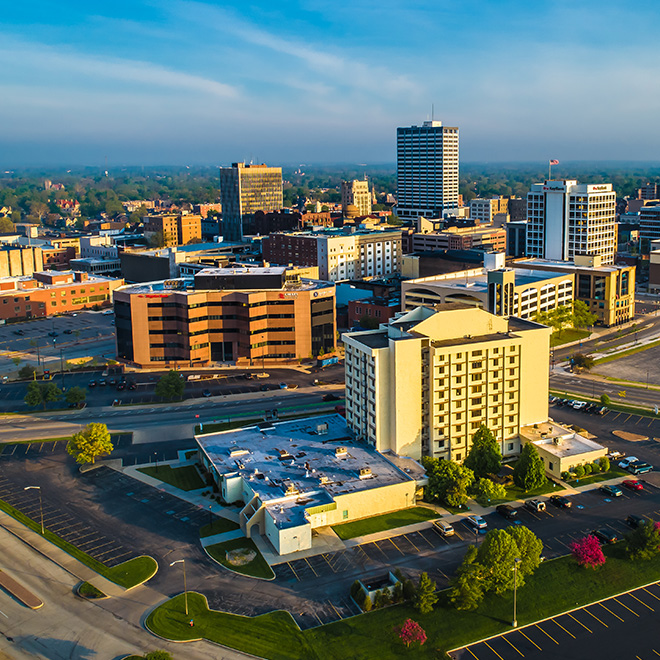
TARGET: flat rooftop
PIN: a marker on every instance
(300, 463)
(479, 281)
(558, 440)
(568, 266)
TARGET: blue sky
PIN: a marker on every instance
(179, 82)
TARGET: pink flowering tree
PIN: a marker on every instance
(411, 632)
(588, 552)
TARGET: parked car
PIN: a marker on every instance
(507, 511)
(615, 454)
(284, 386)
(477, 522)
(605, 535)
(443, 528)
(206, 393)
(635, 521)
(639, 467)
(111, 381)
(18, 332)
(121, 385)
(535, 505)
(627, 461)
(52, 333)
(330, 397)
(560, 501)
(102, 382)
(632, 484)
(612, 491)
(579, 405)
(92, 383)
(602, 410)
(68, 331)
(131, 386)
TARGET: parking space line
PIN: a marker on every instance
(530, 640)
(308, 564)
(411, 543)
(654, 651)
(641, 601)
(651, 422)
(610, 611)
(396, 546)
(562, 627)
(626, 419)
(467, 648)
(619, 415)
(328, 563)
(512, 646)
(429, 542)
(317, 616)
(595, 617)
(493, 650)
(293, 570)
(379, 548)
(640, 419)
(580, 622)
(620, 603)
(336, 610)
(650, 593)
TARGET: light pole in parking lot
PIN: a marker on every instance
(516, 561)
(185, 589)
(41, 507)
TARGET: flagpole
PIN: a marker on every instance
(549, 170)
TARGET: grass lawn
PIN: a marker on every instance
(612, 473)
(567, 336)
(258, 567)
(557, 586)
(218, 526)
(630, 351)
(387, 521)
(515, 493)
(87, 590)
(185, 478)
(127, 575)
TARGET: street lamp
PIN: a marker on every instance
(185, 589)
(41, 507)
(516, 561)
(156, 455)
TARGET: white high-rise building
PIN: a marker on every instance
(427, 170)
(568, 219)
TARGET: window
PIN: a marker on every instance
(510, 446)
(344, 514)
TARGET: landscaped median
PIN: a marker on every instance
(384, 522)
(128, 574)
(242, 556)
(184, 478)
(556, 586)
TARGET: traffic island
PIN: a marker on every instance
(19, 592)
(88, 591)
(242, 556)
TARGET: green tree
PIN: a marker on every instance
(581, 316)
(6, 226)
(17, 360)
(158, 655)
(605, 399)
(26, 371)
(75, 395)
(484, 457)
(582, 361)
(497, 554)
(529, 547)
(643, 542)
(170, 386)
(425, 597)
(90, 443)
(369, 322)
(485, 490)
(467, 587)
(39, 394)
(448, 481)
(529, 472)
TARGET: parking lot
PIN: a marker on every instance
(620, 627)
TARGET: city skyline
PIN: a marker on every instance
(205, 83)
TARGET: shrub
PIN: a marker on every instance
(595, 468)
(587, 552)
(578, 471)
(397, 596)
(408, 589)
(565, 475)
(366, 603)
(411, 632)
(605, 400)
(587, 469)
(356, 590)
(604, 463)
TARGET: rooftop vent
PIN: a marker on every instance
(341, 452)
(291, 489)
(238, 451)
(365, 473)
(322, 429)
(324, 480)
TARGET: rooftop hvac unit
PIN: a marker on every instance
(365, 473)
(341, 452)
(322, 429)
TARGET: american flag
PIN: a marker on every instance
(554, 162)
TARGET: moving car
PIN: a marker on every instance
(627, 461)
(612, 491)
(443, 528)
(535, 505)
(68, 331)
(632, 484)
(477, 522)
(53, 334)
(507, 511)
(635, 521)
(330, 397)
(605, 535)
(560, 501)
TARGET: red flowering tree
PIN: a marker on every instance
(588, 552)
(411, 632)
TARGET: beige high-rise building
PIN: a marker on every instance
(356, 193)
(423, 384)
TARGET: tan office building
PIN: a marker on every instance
(608, 290)
(461, 238)
(356, 193)
(423, 384)
(242, 315)
(176, 229)
(484, 210)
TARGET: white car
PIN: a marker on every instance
(627, 461)
(476, 521)
(578, 405)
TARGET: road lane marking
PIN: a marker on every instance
(548, 634)
(641, 601)
(620, 603)
(564, 629)
(512, 646)
(530, 640)
(493, 650)
(595, 617)
(610, 611)
(580, 622)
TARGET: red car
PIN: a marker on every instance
(633, 485)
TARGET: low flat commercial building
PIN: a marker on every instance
(462, 238)
(561, 449)
(97, 266)
(608, 290)
(243, 315)
(53, 292)
(503, 291)
(295, 476)
(339, 255)
(424, 383)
